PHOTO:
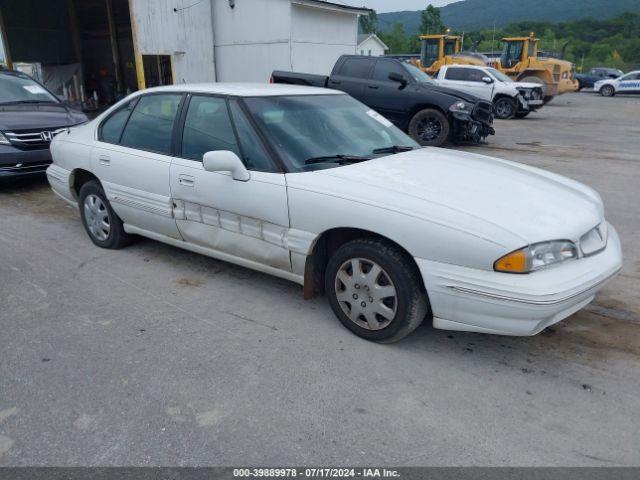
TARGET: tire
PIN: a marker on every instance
(607, 91)
(505, 107)
(430, 128)
(548, 99)
(389, 318)
(101, 223)
(522, 114)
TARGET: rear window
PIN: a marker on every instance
(355, 67)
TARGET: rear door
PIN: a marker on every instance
(351, 76)
(468, 80)
(385, 96)
(132, 159)
(246, 220)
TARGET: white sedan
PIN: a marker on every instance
(312, 186)
(629, 83)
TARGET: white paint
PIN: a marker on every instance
(372, 46)
(7, 412)
(455, 213)
(186, 35)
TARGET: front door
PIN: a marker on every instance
(468, 80)
(629, 83)
(248, 219)
(386, 96)
(132, 159)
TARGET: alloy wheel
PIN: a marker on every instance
(97, 217)
(429, 128)
(366, 294)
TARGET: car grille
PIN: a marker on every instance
(483, 112)
(31, 139)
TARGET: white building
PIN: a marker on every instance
(369, 44)
(121, 45)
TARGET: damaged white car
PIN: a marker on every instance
(312, 186)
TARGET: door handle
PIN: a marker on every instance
(186, 180)
(104, 160)
(373, 87)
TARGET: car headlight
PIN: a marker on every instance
(536, 257)
(4, 140)
(461, 107)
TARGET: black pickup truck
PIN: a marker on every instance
(407, 96)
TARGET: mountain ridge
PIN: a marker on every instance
(470, 15)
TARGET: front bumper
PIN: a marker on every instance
(473, 300)
(16, 163)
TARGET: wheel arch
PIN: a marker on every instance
(328, 242)
(78, 178)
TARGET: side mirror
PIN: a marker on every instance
(225, 161)
(487, 80)
(397, 77)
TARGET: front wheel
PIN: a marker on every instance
(505, 108)
(607, 91)
(102, 224)
(375, 291)
(429, 127)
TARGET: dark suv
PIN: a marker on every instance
(29, 117)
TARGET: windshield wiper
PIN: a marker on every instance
(393, 149)
(341, 159)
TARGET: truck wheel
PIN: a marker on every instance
(103, 226)
(375, 290)
(506, 108)
(607, 91)
(429, 127)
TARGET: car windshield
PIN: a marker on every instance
(21, 89)
(499, 75)
(417, 74)
(320, 131)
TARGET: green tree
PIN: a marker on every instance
(396, 39)
(369, 23)
(430, 21)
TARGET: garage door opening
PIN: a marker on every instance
(80, 49)
(157, 70)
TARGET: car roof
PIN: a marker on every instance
(244, 89)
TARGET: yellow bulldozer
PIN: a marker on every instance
(519, 60)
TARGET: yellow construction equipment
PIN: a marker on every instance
(519, 60)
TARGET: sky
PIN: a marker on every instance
(396, 5)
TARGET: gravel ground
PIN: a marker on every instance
(156, 356)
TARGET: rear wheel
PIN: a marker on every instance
(429, 127)
(375, 291)
(505, 107)
(102, 224)
(608, 91)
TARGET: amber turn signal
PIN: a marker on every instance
(515, 262)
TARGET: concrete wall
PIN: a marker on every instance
(370, 45)
(257, 37)
(319, 37)
(252, 39)
(186, 35)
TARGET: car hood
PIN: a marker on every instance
(458, 94)
(480, 195)
(22, 117)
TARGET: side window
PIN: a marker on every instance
(255, 155)
(453, 73)
(207, 128)
(111, 128)
(355, 67)
(473, 75)
(384, 68)
(151, 124)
